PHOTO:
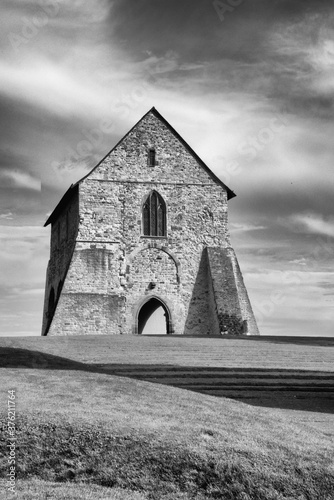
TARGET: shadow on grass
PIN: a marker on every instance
(270, 339)
(314, 341)
(274, 388)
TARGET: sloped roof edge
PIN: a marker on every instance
(69, 192)
(230, 193)
(64, 200)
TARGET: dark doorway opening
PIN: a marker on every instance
(153, 318)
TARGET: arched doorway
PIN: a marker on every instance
(153, 318)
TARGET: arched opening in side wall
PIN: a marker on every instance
(154, 318)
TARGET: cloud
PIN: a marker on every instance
(7, 215)
(284, 301)
(17, 179)
(311, 223)
(328, 287)
(26, 246)
(44, 71)
(52, 87)
(22, 232)
(302, 261)
(234, 227)
(303, 63)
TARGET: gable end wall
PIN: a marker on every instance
(112, 267)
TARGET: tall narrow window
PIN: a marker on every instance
(151, 157)
(154, 215)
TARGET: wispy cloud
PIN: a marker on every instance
(234, 227)
(50, 87)
(26, 245)
(7, 215)
(19, 179)
(302, 261)
(312, 223)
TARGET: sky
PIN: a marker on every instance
(249, 84)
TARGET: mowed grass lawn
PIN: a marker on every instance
(90, 425)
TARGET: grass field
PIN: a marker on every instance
(148, 417)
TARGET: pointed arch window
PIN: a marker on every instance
(154, 215)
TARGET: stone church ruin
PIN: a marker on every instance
(140, 245)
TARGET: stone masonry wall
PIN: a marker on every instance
(63, 238)
(115, 268)
(250, 325)
(114, 258)
(225, 292)
(202, 315)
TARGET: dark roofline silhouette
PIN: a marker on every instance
(73, 188)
